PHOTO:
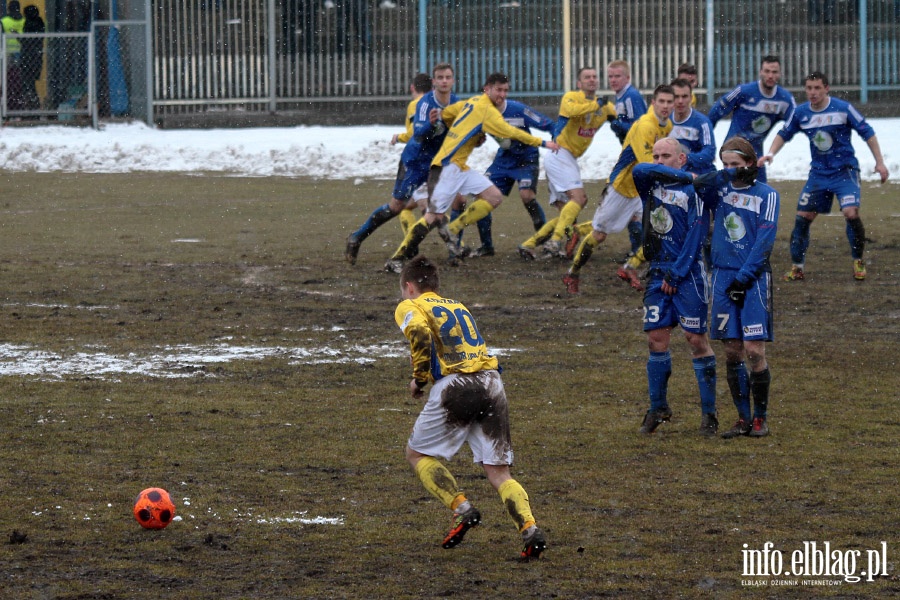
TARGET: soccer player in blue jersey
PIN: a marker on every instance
(629, 102)
(515, 163)
(630, 106)
(428, 134)
(745, 214)
(674, 229)
(756, 107)
(834, 171)
(693, 130)
(466, 404)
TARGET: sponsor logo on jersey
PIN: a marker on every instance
(745, 201)
(824, 120)
(822, 140)
(661, 220)
(754, 329)
(691, 134)
(761, 124)
(734, 227)
(673, 197)
(587, 132)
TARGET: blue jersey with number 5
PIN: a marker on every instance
(443, 337)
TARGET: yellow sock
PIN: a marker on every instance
(407, 219)
(635, 261)
(439, 481)
(416, 234)
(587, 246)
(516, 502)
(584, 228)
(541, 235)
(473, 213)
(567, 217)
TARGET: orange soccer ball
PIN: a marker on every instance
(154, 508)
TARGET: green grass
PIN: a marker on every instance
(132, 264)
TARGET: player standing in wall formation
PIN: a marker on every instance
(515, 163)
(630, 107)
(688, 72)
(745, 214)
(581, 115)
(834, 171)
(427, 134)
(620, 201)
(450, 176)
(675, 226)
(695, 132)
(755, 107)
(466, 403)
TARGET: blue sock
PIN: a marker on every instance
(635, 233)
(705, 370)
(856, 233)
(659, 367)
(759, 385)
(484, 231)
(739, 384)
(800, 240)
(379, 217)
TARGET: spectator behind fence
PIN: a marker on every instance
(13, 22)
(351, 14)
(32, 57)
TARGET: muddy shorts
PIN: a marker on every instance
(465, 407)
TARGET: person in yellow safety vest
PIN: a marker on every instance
(13, 22)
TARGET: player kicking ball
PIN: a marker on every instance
(466, 403)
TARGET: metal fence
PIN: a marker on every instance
(276, 54)
(183, 57)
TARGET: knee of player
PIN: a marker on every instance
(413, 457)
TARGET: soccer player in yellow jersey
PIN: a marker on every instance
(620, 200)
(581, 115)
(451, 176)
(466, 403)
(422, 142)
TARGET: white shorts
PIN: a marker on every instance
(465, 407)
(563, 174)
(455, 181)
(615, 211)
(421, 193)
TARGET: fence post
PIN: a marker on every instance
(148, 58)
(270, 25)
(863, 52)
(3, 73)
(423, 41)
(710, 47)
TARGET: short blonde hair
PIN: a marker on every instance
(620, 64)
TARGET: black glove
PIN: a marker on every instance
(746, 174)
(737, 292)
